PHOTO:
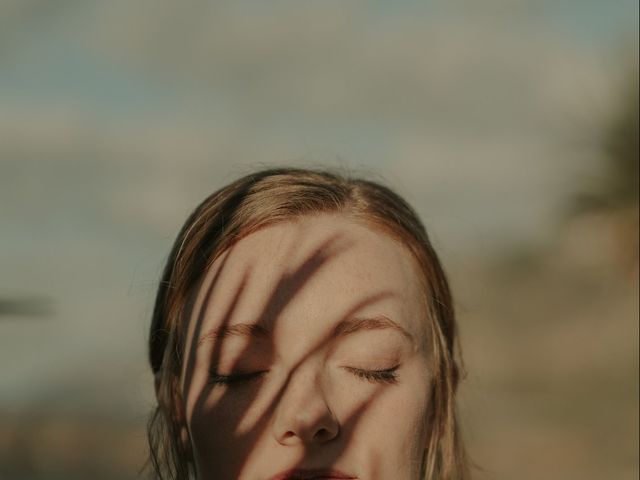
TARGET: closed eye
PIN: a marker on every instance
(388, 375)
(234, 378)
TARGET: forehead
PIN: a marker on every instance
(303, 276)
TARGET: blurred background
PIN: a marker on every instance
(511, 126)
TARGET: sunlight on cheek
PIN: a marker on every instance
(395, 436)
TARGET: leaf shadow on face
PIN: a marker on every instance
(285, 290)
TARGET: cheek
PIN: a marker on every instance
(394, 430)
(224, 431)
(402, 414)
(222, 415)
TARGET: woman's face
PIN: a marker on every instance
(306, 358)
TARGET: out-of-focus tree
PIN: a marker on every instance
(622, 146)
(618, 186)
(614, 196)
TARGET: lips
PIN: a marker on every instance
(316, 474)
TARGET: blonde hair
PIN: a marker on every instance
(265, 198)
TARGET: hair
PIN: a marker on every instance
(265, 198)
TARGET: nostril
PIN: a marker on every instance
(314, 423)
(321, 434)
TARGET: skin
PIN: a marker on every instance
(304, 401)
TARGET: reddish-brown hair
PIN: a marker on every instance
(265, 198)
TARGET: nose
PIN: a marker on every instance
(303, 415)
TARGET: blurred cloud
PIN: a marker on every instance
(414, 91)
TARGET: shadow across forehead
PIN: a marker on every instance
(274, 277)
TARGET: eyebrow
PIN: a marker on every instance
(346, 327)
(247, 330)
(380, 322)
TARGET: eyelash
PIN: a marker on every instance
(218, 379)
(388, 375)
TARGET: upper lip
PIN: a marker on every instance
(311, 474)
